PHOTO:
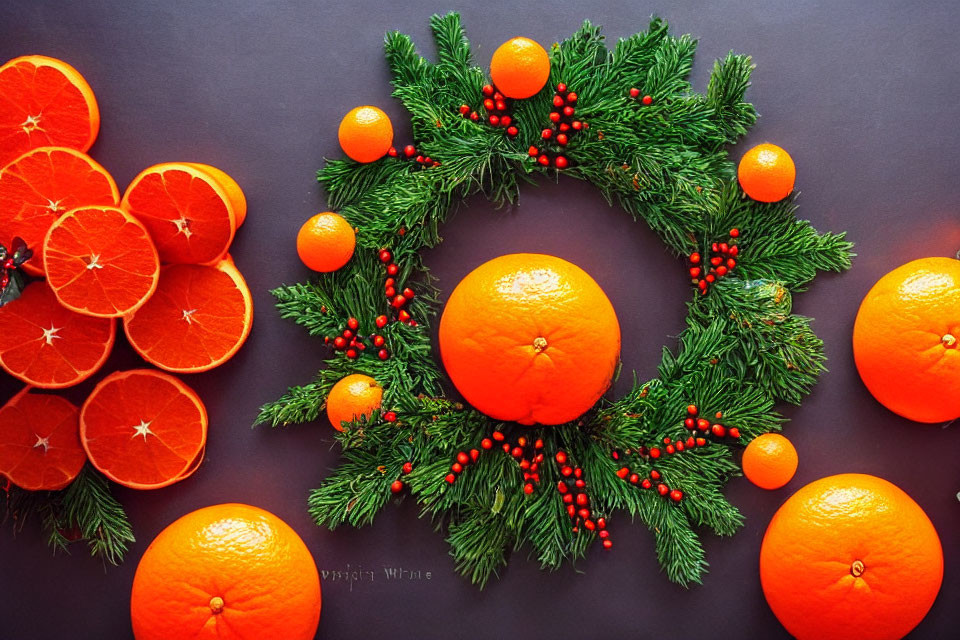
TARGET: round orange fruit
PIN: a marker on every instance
(769, 461)
(850, 556)
(906, 340)
(520, 67)
(365, 134)
(326, 242)
(530, 338)
(226, 572)
(767, 173)
(39, 441)
(353, 397)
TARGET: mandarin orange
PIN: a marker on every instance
(850, 556)
(530, 338)
(326, 242)
(769, 461)
(906, 340)
(365, 134)
(520, 67)
(226, 572)
(767, 173)
(353, 397)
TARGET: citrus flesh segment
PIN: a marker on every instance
(226, 572)
(234, 193)
(44, 101)
(197, 319)
(188, 213)
(143, 428)
(43, 184)
(39, 442)
(46, 345)
(548, 345)
(850, 556)
(100, 261)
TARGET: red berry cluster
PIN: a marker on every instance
(715, 429)
(397, 485)
(645, 100)
(563, 126)
(497, 107)
(655, 480)
(398, 298)
(353, 344)
(722, 261)
(573, 487)
(409, 152)
(463, 460)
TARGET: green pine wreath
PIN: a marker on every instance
(660, 151)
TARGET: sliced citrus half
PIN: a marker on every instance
(100, 261)
(143, 429)
(43, 184)
(39, 442)
(46, 345)
(232, 188)
(44, 101)
(188, 213)
(198, 318)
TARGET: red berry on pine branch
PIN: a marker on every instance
(634, 478)
(450, 478)
(378, 341)
(487, 90)
(486, 443)
(571, 97)
(352, 354)
(546, 134)
(607, 544)
(560, 162)
(385, 256)
(463, 458)
(403, 316)
(676, 495)
(561, 87)
(562, 139)
(568, 111)
(663, 489)
(474, 454)
(392, 152)
(623, 472)
(544, 160)
(464, 109)
(498, 96)
(498, 436)
(409, 151)
(646, 484)
(694, 258)
(647, 100)
(488, 104)
(501, 105)
(734, 233)
(634, 92)
(554, 117)
(564, 127)
(392, 269)
(390, 416)
(407, 467)
(456, 467)
(654, 453)
(396, 487)
(494, 121)
(353, 324)
(533, 152)
(577, 125)
(505, 121)
(474, 116)
(589, 525)
(718, 430)
(390, 292)
(516, 452)
(734, 433)
(339, 343)
(557, 101)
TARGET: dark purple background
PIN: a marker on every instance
(867, 100)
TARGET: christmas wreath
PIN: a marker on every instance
(627, 121)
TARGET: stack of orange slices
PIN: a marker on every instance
(156, 258)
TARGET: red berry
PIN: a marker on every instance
(690, 423)
(721, 271)
(694, 258)
(572, 510)
(528, 488)
(544, 160)
(557, 101)
(347, 334)
(450, 478)
(647, 100)
(538, 444)
(703, 285)
(474, 116)
(408, 293)
(568, 499)
(568, 111)
(578, 472)
(607, 544)
(646, 484)
(498, 436)
(494, 121)
(718, 430)
(381, 322)
(392, 269)
(580, 484)
(654, 453)
(353, 324)
(564, 126)
(407, 467)
(561, 87)
(566, 472)
(463, 458)
(512, 131)
(589, 525)
(654, 474)
(571, 97)
(663, 489)
(403, 316)
(488, 104)
(487, 90)
(634, 92)
(679, 445)
(670, 449)
(582, 500)
(734, 250)
(676, 495)
(546, 134)
(533, 151)
(691, 442)
(486, 443)
(505, 121)
(734, 433)
(456, 467)
(428, 160)
(584, 513)
(522, 441)
(692, 409)
(560, 162)
(378, 341)
(731, 263)
(703, 424)
(734, 233)
(701, 442)
(396, 487)
(352, 354)
(603, 534)
(554, 116)
(501, 105)
(339, 342)
(694, 272)
(383, 354)
(398, 301)
(561, 457)
(562, 139)
(577, 125)
(390, 416)
(623, 472)
(464, 109)
(392, 152)
(498, 96)
(562, 486)
(390, 292)
(474, 454)
(517, 452)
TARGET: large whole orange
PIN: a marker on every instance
(530, 338)
(227, 572)
(906, 340)
(850, 556)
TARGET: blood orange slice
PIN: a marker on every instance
(41, 185)
(39, 442)
(143, 429)
(197, 319)
(44, 101)
(188, 213)
(228, 184)
(46, 345)
(100, 261)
